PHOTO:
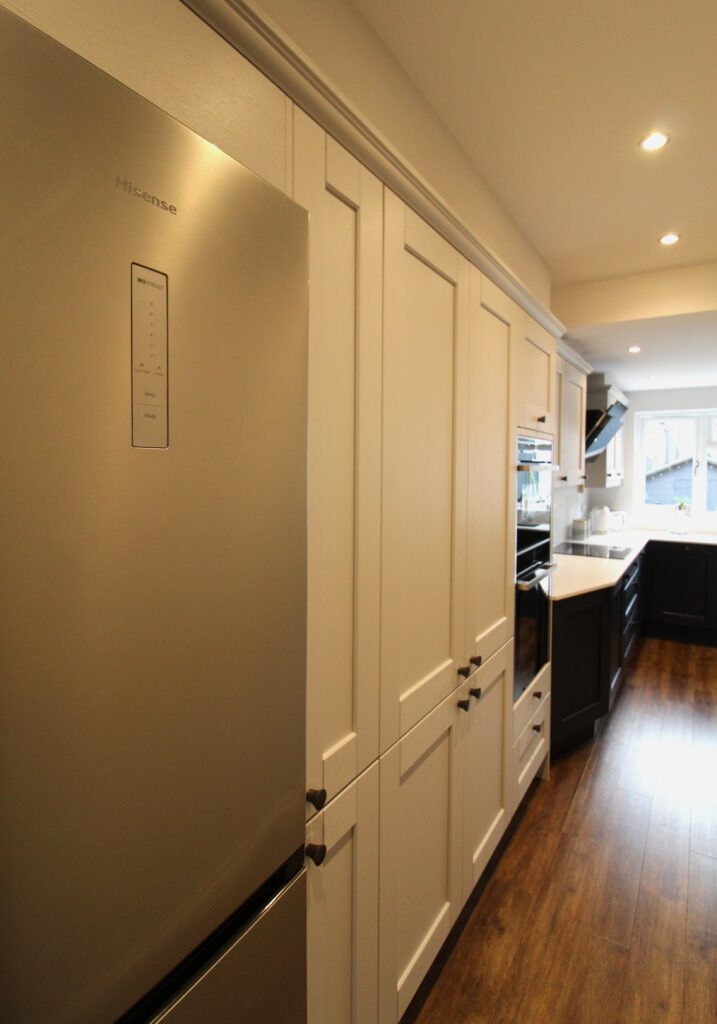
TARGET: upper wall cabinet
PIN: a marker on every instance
(426, 312)
(536, 378)
(571, 392)
(495, 332)
(345, 203)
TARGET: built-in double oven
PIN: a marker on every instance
(534, 495)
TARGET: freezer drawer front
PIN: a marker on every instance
(261, 977)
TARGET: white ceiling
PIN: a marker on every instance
(549, 99)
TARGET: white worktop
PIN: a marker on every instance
(581, 575)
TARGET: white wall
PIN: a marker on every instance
(568, 503)
(657, 293)
(668, 400)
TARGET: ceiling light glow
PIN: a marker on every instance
(670, 238)
(653, 141)
(634, 348)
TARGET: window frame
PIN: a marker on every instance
(666, 515)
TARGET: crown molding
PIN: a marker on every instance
(262, 42)
(574, 358)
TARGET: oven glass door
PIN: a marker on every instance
(534, 487)
(532, 624)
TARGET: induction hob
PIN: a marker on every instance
(591, 550)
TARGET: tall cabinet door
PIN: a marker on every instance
(423, 499)
(420, 860)
(488, 790)
(345, 204)
(342, 924)
(569, 450)
(496, 322)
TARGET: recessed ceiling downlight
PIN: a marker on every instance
(653, 141)
(634, 348)
(670, 238)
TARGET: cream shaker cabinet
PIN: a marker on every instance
(423, 524)
(488, 783)
(342, 922)
(421, 856)
(569, 453)
(495, 328)
(345, 204)
(537, 353)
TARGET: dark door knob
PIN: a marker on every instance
(477, 661)
(316, 797)
(537, 728)
(465, 671)
(538, 694)
(475, 691)
(464, 705)
(316, 852)
(542, 419)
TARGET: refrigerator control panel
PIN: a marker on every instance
(149, 358)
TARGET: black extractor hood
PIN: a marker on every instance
(606, 407)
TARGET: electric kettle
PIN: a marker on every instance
(600, 519)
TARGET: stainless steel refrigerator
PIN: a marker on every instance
(153, 309)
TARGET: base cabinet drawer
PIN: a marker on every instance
(342, 921)
(531, 748)
(524, 708)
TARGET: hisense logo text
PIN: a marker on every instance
(134, 190)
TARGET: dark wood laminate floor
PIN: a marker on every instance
(603, 906)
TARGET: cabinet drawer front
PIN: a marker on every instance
(532, 747)
(526, 706)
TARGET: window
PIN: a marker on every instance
(677, 463)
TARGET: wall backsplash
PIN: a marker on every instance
(568, 504)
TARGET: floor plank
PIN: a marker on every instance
(654, 986)
(700, 1002)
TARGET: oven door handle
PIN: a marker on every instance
(547, 570)
(542, 467)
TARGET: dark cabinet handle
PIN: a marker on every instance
(538, 694)
(465, 671)
(564, 478)
(316, 797)
(542, 419)
(475, 691)
(464, 705)
(316, 852)
(477, 660)
(537, 728)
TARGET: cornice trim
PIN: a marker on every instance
(574, 358)
(262, 42)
